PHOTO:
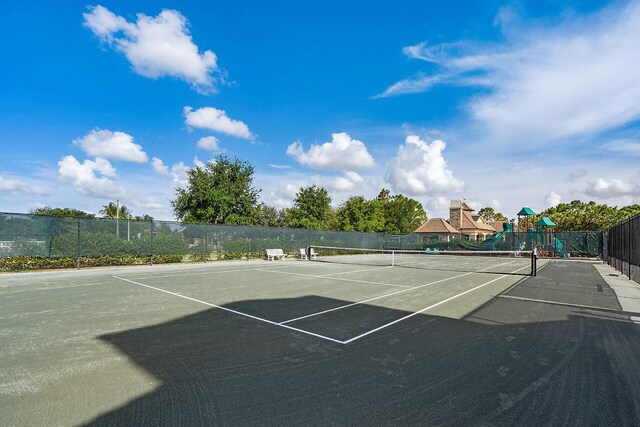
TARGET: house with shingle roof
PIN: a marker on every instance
(438, 227)
(463, 221)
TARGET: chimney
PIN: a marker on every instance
(455, 214)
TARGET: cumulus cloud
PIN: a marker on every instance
(283, 195)
(209, 143)
(179, 175)
(343, 152)
(545, 83)
(15, 186)
(217, 121)
(157, 46)
(606, 189)
(199, 163)
(159, 166)
(437, 205)
(111, 145)
(90, 178)
(552, 199)
(419, 168)
(347, 182)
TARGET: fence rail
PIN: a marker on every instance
(623, 247)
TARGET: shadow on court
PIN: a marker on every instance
(509, 362)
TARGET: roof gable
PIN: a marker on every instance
(436, 225)
(468, 224)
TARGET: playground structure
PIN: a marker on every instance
(526, 235)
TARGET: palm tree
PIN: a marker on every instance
(111, 211)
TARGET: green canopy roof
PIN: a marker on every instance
(545, 222)
(526, 211)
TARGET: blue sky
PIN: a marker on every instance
(504, 104)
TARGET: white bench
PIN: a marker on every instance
(272, 254)
(303, 254)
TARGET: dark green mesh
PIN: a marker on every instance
(169, 241)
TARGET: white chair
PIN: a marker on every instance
(303, 254)
(272, 254)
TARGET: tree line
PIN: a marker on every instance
(222, 192)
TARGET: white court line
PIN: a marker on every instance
(334, 278)
(211, 271)
(355, 271)
(425, 309)
(387, 295)
(231, 310)
(374, 298)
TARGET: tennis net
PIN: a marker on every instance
(498, 262)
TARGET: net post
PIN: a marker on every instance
(393, 258)
(534, 262)
(309, 253)
(78, 244)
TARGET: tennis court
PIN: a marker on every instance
(359, 339)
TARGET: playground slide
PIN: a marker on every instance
(559, 247)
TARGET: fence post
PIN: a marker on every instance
(78, 245)
(205, 248)
(630, 236)
(151, 246)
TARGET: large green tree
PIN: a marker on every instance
(401, 214)
(360, 214)
(590, 216)
(219, 193)
(311, 208)
(268, 216)
(61, 212)
(489, 214)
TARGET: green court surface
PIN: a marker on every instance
(304, 343)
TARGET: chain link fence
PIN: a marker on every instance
(35, 241)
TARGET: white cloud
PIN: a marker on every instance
(343, 152)
(157, 46)
(209, 143)
(199, 163)
(159, 166)
(347, 182)
(419, 168)
(544, 84)
(283, 195)
(85, 180)
(495, 204)
(217, 121)
(179, 174)
(279, 166)
(552, 199)
(146, 202)
(606, 189)
(624, 146)
(437, 205)
(576, 174)
(111, 145)
(16, 186)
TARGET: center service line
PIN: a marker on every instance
(426, 308)
(231, 310)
